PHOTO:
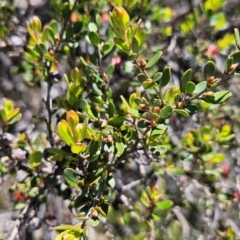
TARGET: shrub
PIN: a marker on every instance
(131, 142)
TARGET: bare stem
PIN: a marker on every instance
(50, 113)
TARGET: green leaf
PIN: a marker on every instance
(36, 24)
(94, 221)
(8, 106)
(3, 115)
(92, 166)
(75, 75)
(166, 112)
(228, 64)
(19, 206)
(93, 148)
(154, 59)
(142, 78)
(164, 205)
(149, 83)
(186, 77)
(54, 26)
(78, 148)
(111, 182)
(122, 45)
(120, 148)
(116, 121)
(65, 132)
(111, 109)
(190, 87)
(94, 38)
(71, 177)
(81, 130)
(237, 38)
(119, 18)
(48, 35)
(110, 69)
(131, 3)
(135, 45)
(107, 47)
(200, 87)
(160, 149)
(41, 48)
(85, 107)
(222, 96)
(79, 201)
(130, 110)
(236, 57)
(12, 114)
(182, 112)
(15, 119)
(157, 76)
(92, 27)
(166, 76)
(209, 69)
(66, 8)
(35, 159)
(99, 210)
(145, 199)
(49, 57)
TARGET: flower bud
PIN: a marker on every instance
(142, 63)
(180, 105)
(143, 107)
(156, 110)
(210, 80)
(232, 67)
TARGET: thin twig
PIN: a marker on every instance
(131, 185)
(65, 25)
(49, 110)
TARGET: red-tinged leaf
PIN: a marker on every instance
(72, 118)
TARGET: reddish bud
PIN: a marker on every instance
(211, 51)
(105, 77)
(109, 139)
(156, 110)
(57, 38)
(51, 52)
(94, 212)
(143, 107)
(225, 170)
(116, 60)
(180, 105)
(104, 17)
(142, 63)
(236, 195)
(19, 196)
(210, 80)
(153, 122)
(232, 67)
